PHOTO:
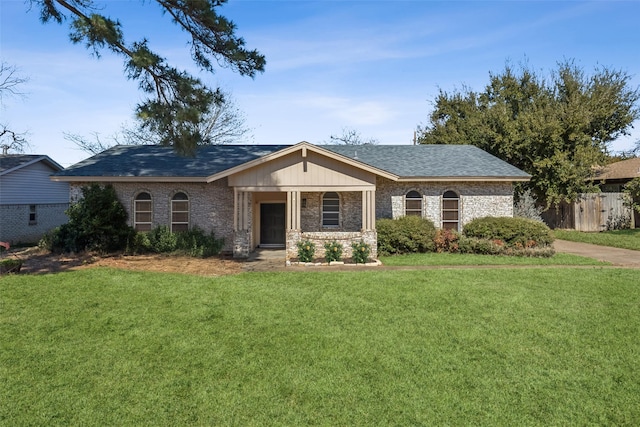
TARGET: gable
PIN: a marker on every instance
(307, 170)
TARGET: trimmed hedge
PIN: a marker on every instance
(518, 233)
(407, 234)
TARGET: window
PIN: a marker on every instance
(179, 212)
(450, 211)
(413, 204)
(142, 212)
(33, 220)
(331, 210)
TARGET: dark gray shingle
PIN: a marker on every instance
(402, 160)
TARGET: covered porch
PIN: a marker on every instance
(303, 194)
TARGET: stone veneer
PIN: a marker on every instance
(345, 238)
(477, 199)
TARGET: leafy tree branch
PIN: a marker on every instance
(177, 100)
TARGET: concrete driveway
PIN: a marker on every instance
(616, 256)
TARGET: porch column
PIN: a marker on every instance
(293, 210)
(369, 210)
(240, 210)
(241, 224)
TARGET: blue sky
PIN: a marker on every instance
(372, 66)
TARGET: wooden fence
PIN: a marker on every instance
(591, 212)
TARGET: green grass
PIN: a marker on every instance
(444, 259)
(540, 346)
(625, 239)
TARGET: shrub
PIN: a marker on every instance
(446, 240)
(512, 232)
(406, 234)
(361, 251)
(97, 222)
(193, 243)
(306, 250)
(471, 245)
(162, 240)
(10, 265)
(526, 206)
(632, 193)
(139, 243)
(332, 251)
(196, 243)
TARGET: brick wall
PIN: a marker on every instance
(210, 205)
(15, 226)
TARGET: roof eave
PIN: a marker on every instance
(105, 178)
(464, 178)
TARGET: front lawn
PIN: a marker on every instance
(443, 259)
(543, 346)
(625, 239)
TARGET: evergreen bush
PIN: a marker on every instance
(97, 222)
(407, 234)
(515, 233)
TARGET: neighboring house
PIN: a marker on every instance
(278, 195)
(600, 211)
(614, 176)
(30, 203)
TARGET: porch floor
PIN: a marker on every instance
(264, 259)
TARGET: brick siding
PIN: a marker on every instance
(15, 226)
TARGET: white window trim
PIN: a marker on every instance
(421, 199)
(188, 211)
(458, 210)
(136, 211)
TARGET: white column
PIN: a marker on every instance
(368, 210)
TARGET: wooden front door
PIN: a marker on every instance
(272, 224)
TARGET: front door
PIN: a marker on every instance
(272, 224)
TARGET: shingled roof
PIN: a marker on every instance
(625, 169)
(403, 161)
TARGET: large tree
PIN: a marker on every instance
(176, 101)
(556, 129)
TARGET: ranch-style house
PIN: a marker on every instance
(277, 195)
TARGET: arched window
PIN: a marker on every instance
(179, 212)
(413, 204)
(451, 211)
(331, 210)
(142, 212)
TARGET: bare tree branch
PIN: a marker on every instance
(10, 81)
(352, 137)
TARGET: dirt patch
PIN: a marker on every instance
(36, 261)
